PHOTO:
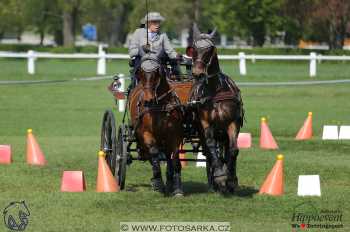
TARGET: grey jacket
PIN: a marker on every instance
(160, 45)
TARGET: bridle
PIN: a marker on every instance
(152, 105)
(157, 68)
(208, 45)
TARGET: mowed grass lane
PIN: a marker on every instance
(66, 119)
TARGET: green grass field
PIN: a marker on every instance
(66, 119)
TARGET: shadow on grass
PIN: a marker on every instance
(246, 191)
(137, 187)
(191, 187)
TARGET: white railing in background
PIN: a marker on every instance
(101, 57)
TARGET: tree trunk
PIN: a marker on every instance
(42, 37)
(342, 33)
(75, 21)
(332, 35)
(118, 33)
(58, 37)
(68, 26)
(259, 33)
(19, 34)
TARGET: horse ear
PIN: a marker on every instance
(196, 32)
(212, 34)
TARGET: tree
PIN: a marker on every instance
(110, 17)
(11, 17)
(297, 17)
(245, 18)
(71, 10)
(43, 16)
(334, 17)
(258, 17)
(177, 14)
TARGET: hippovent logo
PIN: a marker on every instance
(16, 216)
(307, 217)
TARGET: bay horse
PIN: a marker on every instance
(156, 116)
(218, 109)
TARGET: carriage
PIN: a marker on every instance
(206, 109)
(120, 144)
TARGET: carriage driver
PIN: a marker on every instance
(159, 44)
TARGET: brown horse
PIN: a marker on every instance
(218, 108)
(156, 116)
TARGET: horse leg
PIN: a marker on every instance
(178, 190)
(212, 187)
(219, 173)
(231, 157)
(169, 176)
(156, 181)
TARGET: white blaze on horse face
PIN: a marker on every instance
(149, 83)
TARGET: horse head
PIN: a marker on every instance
(204, 57)
(151, 75)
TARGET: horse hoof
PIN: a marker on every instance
(232, 185)
(178, 193)
(220, 181)
(158, 185)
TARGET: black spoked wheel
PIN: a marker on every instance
(122, 155)
(109, 139)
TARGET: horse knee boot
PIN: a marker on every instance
(178, 185)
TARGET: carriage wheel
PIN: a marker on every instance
(122, 155)
(108, 139)
(114, 147)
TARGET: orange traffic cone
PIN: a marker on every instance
(266, 139)
(105, 179)
(273, 184)
(34, 154)
(305, 131)
(182, 156)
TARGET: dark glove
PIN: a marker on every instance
(146, 48)
(179, 57)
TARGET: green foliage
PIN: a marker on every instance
(12, 17)
(252, 20)
(258, 17)
(176, 13)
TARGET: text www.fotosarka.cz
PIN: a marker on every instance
(175, 226)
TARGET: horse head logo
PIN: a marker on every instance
(16, 216)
